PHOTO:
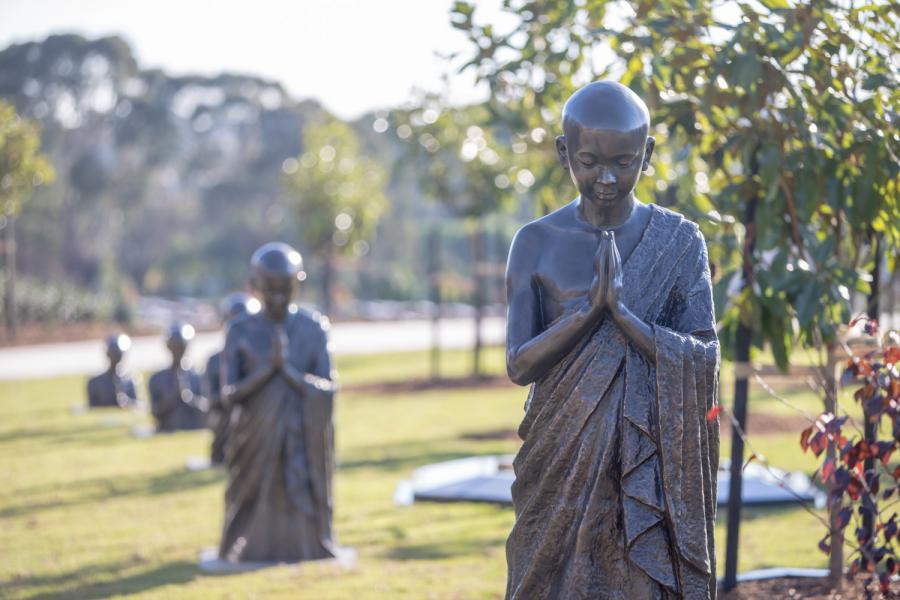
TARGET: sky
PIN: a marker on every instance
(353, 56)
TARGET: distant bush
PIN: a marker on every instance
(52, 301)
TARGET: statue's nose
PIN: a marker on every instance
(606, 177)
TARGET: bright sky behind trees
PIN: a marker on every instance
(352, 55)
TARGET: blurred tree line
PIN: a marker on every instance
(167, 184)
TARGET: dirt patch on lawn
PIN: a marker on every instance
(419, 385)
(487, 436)
(51, 333)
(800, 587)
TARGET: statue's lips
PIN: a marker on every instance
(605, 194)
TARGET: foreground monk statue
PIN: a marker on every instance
(611, 321)
(176, 396)
(277, 375)
(233, 306)
(114, 387)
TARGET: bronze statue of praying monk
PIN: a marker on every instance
(277, 376)
(113, 387)
(611, 322)
(176, 394)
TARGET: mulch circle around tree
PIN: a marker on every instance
(799, 587)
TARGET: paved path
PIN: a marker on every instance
(149, 353)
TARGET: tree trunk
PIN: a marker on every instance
(434, 274)
(9, 263)
(328, 282)
(736, 482)
(873, 311)
(742, 342)
(478, 296)
(836, 555)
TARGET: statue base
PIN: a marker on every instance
(210, 562)
(143, 432)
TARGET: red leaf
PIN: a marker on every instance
(818, 443)
(864, 368)
(892, 354)
(827, 470)
(843, 517)
(713, 413)
(887, 448)
(804, 438)
(854, 489)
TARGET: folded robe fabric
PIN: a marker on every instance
(615, 491)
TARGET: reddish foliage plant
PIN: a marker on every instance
(865, 495)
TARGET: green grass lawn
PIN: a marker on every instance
(86, 511)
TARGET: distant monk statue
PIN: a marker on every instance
(113, 387)
(219, 414)
(611, 321)
(280, 451)
(176, 397)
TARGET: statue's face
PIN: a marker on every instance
(605, 164)
(275, 291)
(114, 354)
(177, 347)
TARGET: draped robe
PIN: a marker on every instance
(280, 447)
(219, 413)
(111, 389)
(167, 403)
(615, 490)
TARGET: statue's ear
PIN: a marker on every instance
(648, 152)
(562, 151)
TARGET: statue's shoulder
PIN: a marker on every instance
(532, 236)
(212, 364)
(245, 327)
(243, 322)
(309, 319)
(156, 379)
(95, 381)
(672, 223)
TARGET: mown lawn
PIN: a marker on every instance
(87, 511)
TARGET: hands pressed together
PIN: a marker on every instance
(605, 293)
(607, 284)
(280, 351)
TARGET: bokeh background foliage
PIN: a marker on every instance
(776, 130)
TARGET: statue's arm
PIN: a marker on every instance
(532, 349)
(237, 388)
(638, 332)
(320, 378)
(160, 403)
